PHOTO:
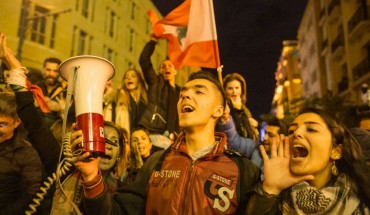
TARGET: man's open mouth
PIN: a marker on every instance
(187, 109)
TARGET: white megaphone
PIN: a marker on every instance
(87, 76)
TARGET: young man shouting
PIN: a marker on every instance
(194, 176)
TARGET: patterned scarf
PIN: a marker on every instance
(339, 198)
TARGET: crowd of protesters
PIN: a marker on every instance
(170, 150)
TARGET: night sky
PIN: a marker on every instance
(250, 34)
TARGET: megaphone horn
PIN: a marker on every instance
(88, 74)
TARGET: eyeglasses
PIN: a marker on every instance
(4, 125)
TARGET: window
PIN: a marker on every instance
(74, 33)
(53, 30)
(77, 5)
(110, 54)
(85, 8)
(39, 25)
(90, 42)
(148, 26)
(112, 24)
(131, 42)
(82, 41)
(133, 10)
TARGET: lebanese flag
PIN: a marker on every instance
(191, 33)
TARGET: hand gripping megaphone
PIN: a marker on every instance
(87, 76)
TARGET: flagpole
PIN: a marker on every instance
(219, 74)
(218, 63)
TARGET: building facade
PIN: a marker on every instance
(116, 30)
(288, 91)
(334, 53)
(334, 43)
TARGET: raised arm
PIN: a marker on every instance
(146, 65)
(39, 135)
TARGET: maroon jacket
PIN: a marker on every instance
(210, 185)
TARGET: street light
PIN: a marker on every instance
(24, 21)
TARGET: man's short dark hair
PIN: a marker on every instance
(208, 76)
(362, 113)
(274, 121)
(8, 105)
(52, 60)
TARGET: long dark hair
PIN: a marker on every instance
(352, 162)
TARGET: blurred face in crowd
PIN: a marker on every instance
(7, 126)
(272, 134)
(141, 139)
(233, 90)
(312, 149)
(168, 70)
(365, 124)
(131, 80)
(50, 73)
(111, 148)
(199, 101)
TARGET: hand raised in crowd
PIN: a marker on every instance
(6, 54)
(226, 116)
(88, 166)
(277, 172)
(237, 102)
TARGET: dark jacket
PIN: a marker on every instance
(20, 174)
(49, 118)
(41, 139)
(243, 145)
(39, 134)
(161, 95)
(210, 185)
(136, 111)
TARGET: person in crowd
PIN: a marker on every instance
(132, 100)
(363, 138)
(363, 118)
(160, 116)
(43, 139)
(140, 139)
(38, 133)
(52, 89)
(20, 165)
(245, 146)
(216, 182)
(274, 128)
(57, 129)
(111, 167)
(141, 149)
(318, 169)
(110, 103)
(236, 91)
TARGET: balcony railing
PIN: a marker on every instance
(332, 5)
(339, 41)
(361, 14)
(361, 69)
